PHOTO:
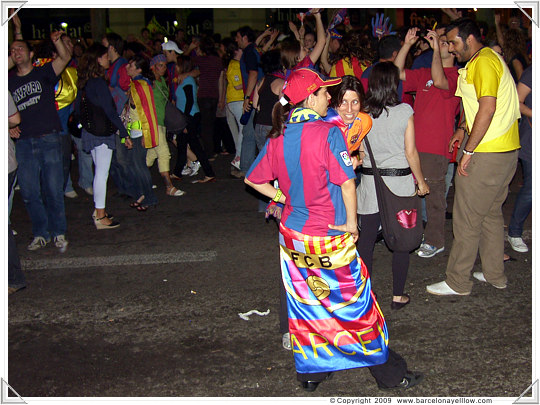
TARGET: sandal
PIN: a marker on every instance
(142, 208)
(174, 192)
(135, 204)
(206, 180)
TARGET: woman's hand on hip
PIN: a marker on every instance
(350, 228)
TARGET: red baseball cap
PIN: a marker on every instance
(303, 82)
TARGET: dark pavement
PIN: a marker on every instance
(151, 309)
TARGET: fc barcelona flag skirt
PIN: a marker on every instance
(334, 320)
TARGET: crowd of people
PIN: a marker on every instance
(430, 98)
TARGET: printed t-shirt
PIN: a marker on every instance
(435, 110)
(234, 78)
(34, 96)
(486, 74)
(311, 163)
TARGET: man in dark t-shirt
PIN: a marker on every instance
(251, 73)
(39, 145)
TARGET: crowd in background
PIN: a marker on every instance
(226, 88)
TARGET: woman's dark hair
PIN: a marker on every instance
(290, 52)
(347, 83)
(382, 88)
(515, 44)
(355, 44)
(230, 47)
(280, 114)
(142, 63)
(184, 63)
(271, 61)
(88, 66)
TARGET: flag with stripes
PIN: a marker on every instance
(143, 97)
(335, 322)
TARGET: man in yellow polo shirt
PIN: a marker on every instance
(491, 106)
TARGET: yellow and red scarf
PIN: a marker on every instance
(143, 98)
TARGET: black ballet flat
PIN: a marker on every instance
(398, 305)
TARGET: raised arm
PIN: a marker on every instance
(410, 40)
(17, 26)
(498, 29)
(64, 55)
(321, 38)
(325, 64)
(437, 71)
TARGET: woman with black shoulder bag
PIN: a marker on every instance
(97, 115)
(392, 143)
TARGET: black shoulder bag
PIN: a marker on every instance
(401, 217)
(93, 118)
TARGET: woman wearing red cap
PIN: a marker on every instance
(335, 322)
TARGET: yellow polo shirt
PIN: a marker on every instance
(486, 74)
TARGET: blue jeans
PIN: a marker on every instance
(120, 171)
(523, 205)
(63, 114)
(86, 176)
(249, 145)
(142, 180)
(41, 178)
(261, 132)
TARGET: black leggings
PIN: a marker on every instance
(191, 138)
(366, 243)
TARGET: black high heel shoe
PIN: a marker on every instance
(398, 305)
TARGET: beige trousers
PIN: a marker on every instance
(160, 152)
(478, 222)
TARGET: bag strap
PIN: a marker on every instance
(162, 92)
(372, 158)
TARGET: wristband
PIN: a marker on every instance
(466, 152)
(278, 195)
